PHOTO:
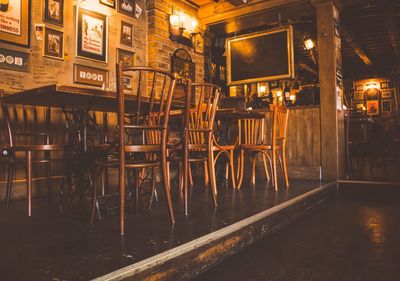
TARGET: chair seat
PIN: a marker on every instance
(140, 163)
(35, 147)
(143, 148)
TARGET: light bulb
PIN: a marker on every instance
(174, 20)
(308, 44)
(279, 94)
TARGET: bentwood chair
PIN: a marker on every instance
(253, 140)
(142, 130)
(27, 135)
(201, 126)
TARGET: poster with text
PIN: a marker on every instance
(14, 22)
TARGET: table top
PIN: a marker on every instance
(72, 97)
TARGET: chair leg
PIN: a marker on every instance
(94, 195)
(206, 174)
(266, 167)
(231, 164)
(10, 176)
(211, 171)
(28, 156)
(274, 174)
(153, 187)
(137, 186)
(180, 179)
(284, 167)
(48, 179)
(166, 185)
(253, 170)
(241, 169)
(227, 171)
(190, 176)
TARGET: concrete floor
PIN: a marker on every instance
(354, 237)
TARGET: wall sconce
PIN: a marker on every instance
(308, 43)
(182, 28)
(372, 85)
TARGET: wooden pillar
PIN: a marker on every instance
(331, 91)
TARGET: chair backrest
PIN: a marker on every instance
(25, 124)
(152, 91)
(202, 116)
(271, 129)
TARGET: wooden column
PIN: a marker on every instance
(331, 91)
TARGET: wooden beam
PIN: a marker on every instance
(392, 28)
(304, 65)
(219, 12)
(351, 39)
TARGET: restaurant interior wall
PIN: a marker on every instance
(44, 71)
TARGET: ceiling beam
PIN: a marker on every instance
(304, 65)
(222, 11)
(392, 28)
(351, 39)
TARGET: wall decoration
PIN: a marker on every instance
(126, 33)
(386, 94)
(54, 11)
(359, 96)
(358, 88)
(373, 107)
(386, 106)
(222, 73)
(15, 22)
(182, 64)
(127, 7)
(198, 43)
(128, 82)
(109, 3)
(88, 75)
(138, 11)
(127, 58)
(53, 43)
(385, 85)
(39, 31)
(92, 35)
(13, 60)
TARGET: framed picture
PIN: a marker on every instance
(138, 11)
(126, 33)
(88, 75)
(128, 82)
(109, 3)
(373, 107)
(127, 7)
(222, 73)
(53, 44)
(14, 60)
(386, 94)
(385, 85)
(91, 35)
(198, 43)
(386, 106)
(127, 58)
(359, 96)
(358, 88)
(16, 31)
(274, 84)
(54, 11)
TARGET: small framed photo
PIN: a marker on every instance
(386, 94)
(128, 82)
(91, 35)
(54, 11)
(385, 85)
(198, 43)
(358, 88)
(53, 43)
(386, 106)
(127, 58)
(109, 3)
(127, 7)
(373, 107)
(126, 33)
(274, 84)
(358, 96)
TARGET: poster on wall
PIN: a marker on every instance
(373, 107)
(127, 58)
(88, 75)
(14, 22)
(127, 7)
(54, 11)
(91, 35)
(126, 33)
(53, 44)
(386, 106)
(13, 60)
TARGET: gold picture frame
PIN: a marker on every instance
(289, 71)
(16, 32)
(53, 43)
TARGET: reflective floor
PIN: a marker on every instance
(50, 246)
(353, 237)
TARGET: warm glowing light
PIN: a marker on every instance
(174, 20)
(280, 98)
(344, 107)
(363, 108)
(194, 24)
(279, 94)
(372, 85)
(292, 97)
(308, 44)
(262, 89)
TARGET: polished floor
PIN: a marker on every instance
(353, 237)
(50, 246)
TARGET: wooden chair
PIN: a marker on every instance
(201, 125)
(253, 140)
(142, 131)
(27, 135)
